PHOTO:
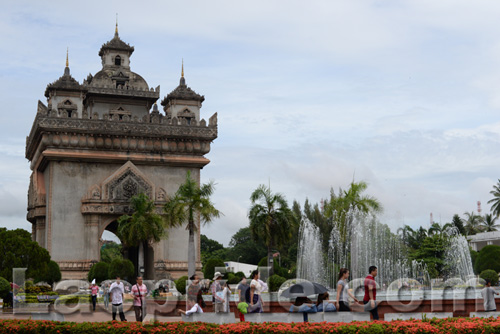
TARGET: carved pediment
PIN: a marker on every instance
(126, 182)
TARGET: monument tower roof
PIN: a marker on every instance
(182, 92)
(116, 44)
(65, 82)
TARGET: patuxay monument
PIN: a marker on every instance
(96, 144)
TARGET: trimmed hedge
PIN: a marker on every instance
(452, 325)
(491, 275)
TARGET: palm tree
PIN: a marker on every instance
(345, 202)
(472, 223)
(489, 223)
(270, 220)
(144, 226)
(436, 228)
(495, 208)
(189, 201)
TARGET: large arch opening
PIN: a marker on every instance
(112, 246)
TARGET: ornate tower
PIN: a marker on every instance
(97, 144)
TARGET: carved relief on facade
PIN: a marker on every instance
(125, 183)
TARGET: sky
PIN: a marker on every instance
(310, 96)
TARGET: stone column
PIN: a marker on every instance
(40, 232)
(92, 237)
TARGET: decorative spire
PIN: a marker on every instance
(182, 81)
(66, 69)
(116, 28)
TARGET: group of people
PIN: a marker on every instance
(248, 296)
(341, 302)
(115, 293)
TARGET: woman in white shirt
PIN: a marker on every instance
(255, 291)
(342, 302)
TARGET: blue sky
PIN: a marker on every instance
(401, 94)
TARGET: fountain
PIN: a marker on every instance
(363, 242)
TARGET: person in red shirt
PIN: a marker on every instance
(370, 298)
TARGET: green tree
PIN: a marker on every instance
(210, 248)
(110, 251)
(19, 251)
(100, 272)
(488, 258)
(4, 288)
(489, 223)
(342, 204)
(431, 252)
(437, 228)
(270, 220)
(473, 223)
(495, 208)
(53, 273)
(189, 201)
(491, 275)
(144, 226)
(459, 224)
(209, 268)
(123, 268)
(243, 248)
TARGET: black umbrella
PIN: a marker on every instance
(304, 289)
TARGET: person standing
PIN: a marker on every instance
(217, 296)
(106, 296)
(194, 292)
(94, 291)
(116, 291)
(343, 291)
(242, 289)
(489, 297)
(139, 291)
(370, 298)
(255, 291)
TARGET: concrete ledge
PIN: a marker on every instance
(346, 316)
(52, 316)
(418, 316)
(267, 317)
(214, 318)
(484, 314)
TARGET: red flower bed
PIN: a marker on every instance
(457, 325)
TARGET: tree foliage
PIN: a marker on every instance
(244, 248)
(19, 251)
(490, 275)
(209, 267)
(488, 258)
(189, 201)
(100, 272)
(4, 288)
(495, 208)
(270, 219)
(123, 268)
(53, 273)
(432, 252)
(110, 251)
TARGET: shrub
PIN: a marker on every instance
(53, 273)
(491, 275)
(275, 281)
(209, 268)
(124, 268)
(180, 284)
(240, 274)
(4, 288)
(488, 258)
(233, 279)
(99, 271)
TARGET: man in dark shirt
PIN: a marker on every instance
(370, 298)
(242, 289)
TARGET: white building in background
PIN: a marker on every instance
(478, 241)
(234, 267)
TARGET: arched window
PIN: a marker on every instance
(118, 60)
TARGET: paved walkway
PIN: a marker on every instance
(99, 315)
